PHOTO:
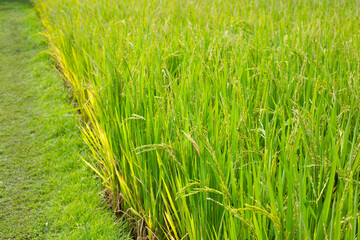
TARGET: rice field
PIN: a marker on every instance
(210, 119)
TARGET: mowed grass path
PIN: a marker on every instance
(45, 191)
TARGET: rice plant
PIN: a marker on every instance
(210, 119)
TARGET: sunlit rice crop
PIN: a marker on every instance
(218, 119)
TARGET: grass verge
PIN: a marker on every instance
(45, 191)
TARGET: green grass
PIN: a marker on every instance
(45, 191)
(218, 119)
